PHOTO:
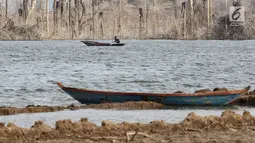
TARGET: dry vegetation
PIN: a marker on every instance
(128, 19)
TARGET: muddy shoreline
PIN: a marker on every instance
(229, 127)
(247, 100)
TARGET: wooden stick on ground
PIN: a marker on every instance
(133, 133)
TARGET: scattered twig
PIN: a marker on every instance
(133, 133)
(134, 136)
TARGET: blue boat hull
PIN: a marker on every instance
(172, 100)
(217, 98)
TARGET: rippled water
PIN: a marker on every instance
(30, 69)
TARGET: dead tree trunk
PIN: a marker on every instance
(20, 12)
(154, 18)
(140, 22)
(175, 9)
(93, 20)
(209, 17)
(57, 14)
(54, 14)
(184, 19)
(25, 9)
(226, 20)
(62, 8)
(76, 12)
(119, 18)
(77, 15)
(73, 30)
(69, 19)
(208, 14)
(0, 9)
(81, 18)
(146, 18)
(31, 9)
(101, 27)
(191, 18)
(6, 10)
(83, 12)
(41, 10)
(47, 16)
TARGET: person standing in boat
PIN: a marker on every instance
(116, 40)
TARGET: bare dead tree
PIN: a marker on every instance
(119, 17)
(0, 9)
(47, 16)
(55, 14)
(83, 8)
(191, 17)
(101, 27)
(93, 20)
(69, 17)
(209, 17)
(6, 10)
(83, 13)
(76, 17)
(25, 9)
(31, 9)
(175, 9)
(89, 22)
(184, 19)
(147, 17)
(154, 18)
(141, 21)
(62, 7)
(20, 13)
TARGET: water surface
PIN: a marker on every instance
(29, 70)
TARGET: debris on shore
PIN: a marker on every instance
(229, 125)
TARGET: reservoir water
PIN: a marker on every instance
(29, 71)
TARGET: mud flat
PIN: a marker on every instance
(229, 127)
(37, 109)
(247, 100)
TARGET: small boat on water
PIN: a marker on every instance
(215, 98)
(93, 43)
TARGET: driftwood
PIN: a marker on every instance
(134, 134)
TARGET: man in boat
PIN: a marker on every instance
(116, 40)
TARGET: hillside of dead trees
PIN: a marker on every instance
(127, 19)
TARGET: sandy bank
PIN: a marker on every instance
(229, 127)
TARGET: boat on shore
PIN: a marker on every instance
(214, 98)
(93, 43)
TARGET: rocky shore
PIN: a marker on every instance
(229, 127)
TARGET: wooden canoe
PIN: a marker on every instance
(93, 43)
(215, 98)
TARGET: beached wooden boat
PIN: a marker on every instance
(93, 43)
(215, 98)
